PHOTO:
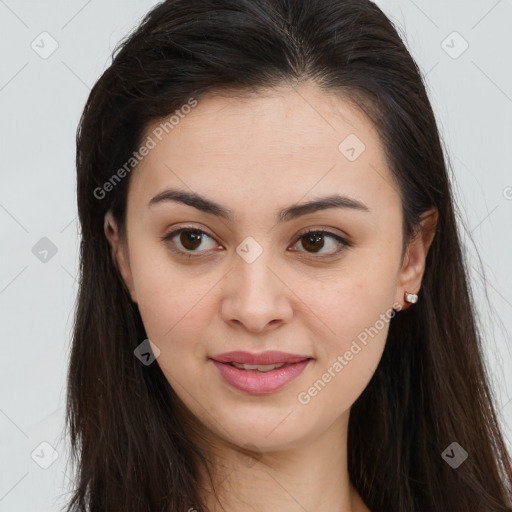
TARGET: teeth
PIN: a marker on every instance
(258, 367)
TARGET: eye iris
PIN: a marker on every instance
(314, 238)
(193, 237)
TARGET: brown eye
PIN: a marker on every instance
(188, 241)
(315, 241)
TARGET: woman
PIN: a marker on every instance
(274, 312)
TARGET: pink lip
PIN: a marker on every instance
(259, 383)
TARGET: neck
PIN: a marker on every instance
(312, 476)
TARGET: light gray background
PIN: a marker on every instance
(41, 100)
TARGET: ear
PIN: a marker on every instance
(413, 265)
(119, 252)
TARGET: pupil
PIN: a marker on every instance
(190, 236)
(314, 238)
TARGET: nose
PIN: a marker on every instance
(255, 296)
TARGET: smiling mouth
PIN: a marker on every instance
(259, 379)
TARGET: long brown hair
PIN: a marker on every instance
(430, 389)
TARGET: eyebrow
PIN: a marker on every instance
(291, 212)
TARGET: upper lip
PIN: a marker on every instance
(267, 357)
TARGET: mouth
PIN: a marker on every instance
(259, 378)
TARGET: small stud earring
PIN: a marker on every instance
(412, 298)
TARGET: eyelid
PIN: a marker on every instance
(328, 231)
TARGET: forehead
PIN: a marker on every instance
(280, 144)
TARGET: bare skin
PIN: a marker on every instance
(255, 156)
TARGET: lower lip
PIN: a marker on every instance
(260, 383)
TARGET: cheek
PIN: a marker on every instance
(349, 345)
(175, 305)
(168, 293)
(354, 322)
(354, 298)
(173, 311)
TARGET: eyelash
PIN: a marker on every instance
(190, 255)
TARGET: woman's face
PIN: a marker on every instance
(250, 280)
